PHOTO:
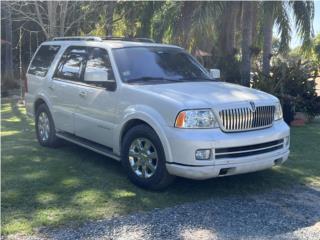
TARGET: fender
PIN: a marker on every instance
(44, 98)
(148, 115)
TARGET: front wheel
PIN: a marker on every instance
(143, 158)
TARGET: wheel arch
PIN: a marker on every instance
(37, 103)
(130, 124)
(154, 120)
(41, 98)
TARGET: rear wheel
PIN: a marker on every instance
(143, 158)
(45, 129)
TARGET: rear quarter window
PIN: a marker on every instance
(43, 59)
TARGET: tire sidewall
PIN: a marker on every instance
(144, 131)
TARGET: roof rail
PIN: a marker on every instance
(130, 39)
(77, 38)
(145, 40)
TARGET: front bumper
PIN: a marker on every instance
(183, 144)
(206, 172)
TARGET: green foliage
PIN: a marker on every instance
(164, 19)
(294, 80)
(315, 53)
(204, 25)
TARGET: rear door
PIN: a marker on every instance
(64, 87)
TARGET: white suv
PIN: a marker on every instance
(154, 108)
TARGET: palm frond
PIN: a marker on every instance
(205, 21)
(207, 13)
(304, 15)
(283, 23)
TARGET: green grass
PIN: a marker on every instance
(50, 187)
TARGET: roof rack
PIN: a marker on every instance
(77, 38)
(130, 39)
(99, 39)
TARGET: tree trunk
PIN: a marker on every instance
(254, 23)
(184, 24)
(145, 29)
(110, 6)
(8, 61)
(230, 16)
(52, 14)
(246, 42)
(63, 16)
(267, 40)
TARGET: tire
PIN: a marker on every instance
(43, 115)
(135, 141)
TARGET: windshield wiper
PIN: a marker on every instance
(149, 79)
(199, 79)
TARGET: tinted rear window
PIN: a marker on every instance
(43, 59)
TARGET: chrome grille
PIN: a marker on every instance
(243, 119)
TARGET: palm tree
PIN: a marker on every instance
(246, 44)
(268, 22)
(278, 13)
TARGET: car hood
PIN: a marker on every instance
(208, 94)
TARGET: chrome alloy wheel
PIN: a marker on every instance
(143, 157)
(43, 126)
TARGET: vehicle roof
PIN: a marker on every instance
(107, 43)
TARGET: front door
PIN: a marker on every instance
(94, 118)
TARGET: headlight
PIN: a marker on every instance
(278, 112)
(202, 118)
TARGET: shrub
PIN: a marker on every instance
(292, 82)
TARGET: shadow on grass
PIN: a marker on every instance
(49, 187)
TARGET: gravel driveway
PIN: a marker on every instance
(281, 214)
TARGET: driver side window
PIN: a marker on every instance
(98, 60)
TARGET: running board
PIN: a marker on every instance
(96, 147)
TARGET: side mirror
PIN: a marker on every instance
(101, 77)
(214, 73)
(97, 75)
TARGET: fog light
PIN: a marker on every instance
(203, 154)
(287, 141)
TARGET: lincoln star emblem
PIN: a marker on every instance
(253, 106)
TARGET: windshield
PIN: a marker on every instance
(157, 65)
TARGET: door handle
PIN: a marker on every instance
(83, 94)
(51, 87)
